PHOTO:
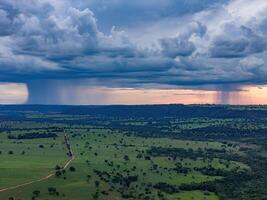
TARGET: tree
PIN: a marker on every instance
(52, 190)
(58, 173)
(126, 158)
(36, 193)
(97, 183)
(57, 167)
(72, 169)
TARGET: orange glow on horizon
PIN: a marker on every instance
(15, 93)
(162, 96)
(251, 95)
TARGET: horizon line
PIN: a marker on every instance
(103, 105)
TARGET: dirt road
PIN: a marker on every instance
(52, 173)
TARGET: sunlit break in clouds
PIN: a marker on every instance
(11, 93)
(133, 52)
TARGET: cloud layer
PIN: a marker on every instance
(187, 43)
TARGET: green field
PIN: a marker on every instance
(136, 152)
(28, 161)
(96, 149)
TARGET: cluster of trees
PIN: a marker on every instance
(118, 179)
(187, 153)
(223, 132)
(35, 135)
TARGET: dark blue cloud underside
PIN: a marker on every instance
(208, 43)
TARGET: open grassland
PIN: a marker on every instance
(28, 160)
(156, 152)
(108, 165)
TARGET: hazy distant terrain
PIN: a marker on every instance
(182, 152)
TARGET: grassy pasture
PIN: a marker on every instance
(24, 160)
(94, 150)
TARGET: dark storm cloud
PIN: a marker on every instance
(174, 47)
(238, 42)
(212, 43)
(181, 45)
(110, 12)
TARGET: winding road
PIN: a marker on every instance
(52, 173)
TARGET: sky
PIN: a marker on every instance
(133, 52)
